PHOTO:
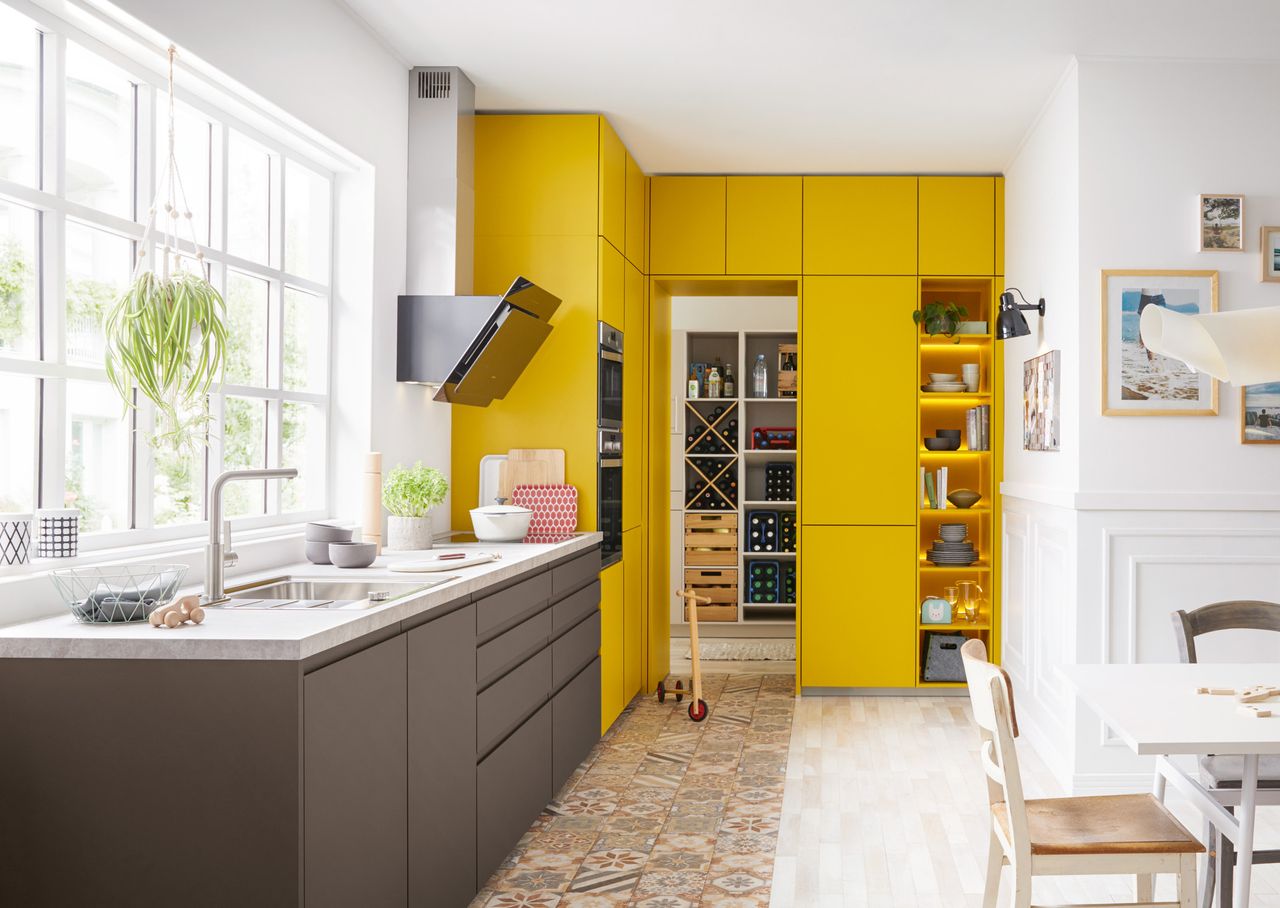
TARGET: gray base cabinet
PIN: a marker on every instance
(395, 770)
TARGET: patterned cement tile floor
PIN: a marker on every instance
(665, 812)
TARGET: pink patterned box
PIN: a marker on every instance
(555, 510)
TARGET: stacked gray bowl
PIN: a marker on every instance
(318, 537)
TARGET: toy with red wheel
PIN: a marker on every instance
(663, 690)
(697, 706)
(698, 710)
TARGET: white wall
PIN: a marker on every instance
(1138, 516)
(315, 60)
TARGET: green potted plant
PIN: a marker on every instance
(940, 317)
(409, 494)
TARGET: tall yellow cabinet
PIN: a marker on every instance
(560, 200)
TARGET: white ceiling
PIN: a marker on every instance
(807, 86)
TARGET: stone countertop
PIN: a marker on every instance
(283, 635)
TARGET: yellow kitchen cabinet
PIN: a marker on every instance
(763, 225)
(633, 610)
(858, 623)
(612, 634)
(658, 589)
(957, 225)
(860, 225)
(633, 387)
(858, 385)
(537, 175)
(1000, 226)
(612, 285)
(687, 225)
(636, 233)
(613, 186)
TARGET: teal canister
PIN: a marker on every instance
(935, 611)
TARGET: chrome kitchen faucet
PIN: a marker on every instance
(217, 553)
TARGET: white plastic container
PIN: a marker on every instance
(501, 522)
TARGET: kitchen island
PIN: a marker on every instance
(389, 755)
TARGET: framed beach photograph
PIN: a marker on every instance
(1222, 223)
(1136, 381)
(1040, 407)
(1269, 247)
(1260, 414)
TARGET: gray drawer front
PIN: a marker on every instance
(512, 647)
(513, 785)
(574, 650)
(575, 713)
(568, 612)
(572, 574)
(507, 702)
(500, 611)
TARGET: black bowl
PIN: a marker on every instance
(947, 433)
(942, 444)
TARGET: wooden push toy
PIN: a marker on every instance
(697, 706)
(178, 612)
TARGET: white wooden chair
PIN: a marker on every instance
(1108, 834)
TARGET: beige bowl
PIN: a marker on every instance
(964, 498)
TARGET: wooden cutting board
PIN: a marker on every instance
(531, 467)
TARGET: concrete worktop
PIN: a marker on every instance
(285, 635)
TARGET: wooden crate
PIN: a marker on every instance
(720, 586)
(711, 540)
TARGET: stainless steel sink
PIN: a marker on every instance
(293, 593)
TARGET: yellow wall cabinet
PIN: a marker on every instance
(763, 226)
(658, 590)
(612, 278)
(857, 461)
(860, 225)
(687, 225)
(633, 396)
(999, 228)
(612, 644)
(958, 226)
(636, 233)
(633, 613)
(613, 186)
(857, 625)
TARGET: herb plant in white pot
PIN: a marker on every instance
(409, 494)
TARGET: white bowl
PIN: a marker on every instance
(501, 523)
(942, 376)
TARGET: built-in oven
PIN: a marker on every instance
(610, 495)
(610, 379)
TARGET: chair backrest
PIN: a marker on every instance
(1248, 614)
(991, 695)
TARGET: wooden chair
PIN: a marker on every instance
(1108, 834)
(1224, 773)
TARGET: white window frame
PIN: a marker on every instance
(53, 211)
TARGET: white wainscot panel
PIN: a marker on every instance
(1014, 594)
(1054, 604)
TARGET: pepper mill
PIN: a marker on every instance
(373, 499)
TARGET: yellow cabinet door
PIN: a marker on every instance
(633, 645)
(686, 225)
(857, 606)
(611, 276)
(537, 175)
(635, 233)
(657, 521)
(859, 225)
(858, 385)
(957, 225)
(613, 186)
(612, 634)
(633, 386)
(762, 234)
(1000, 226)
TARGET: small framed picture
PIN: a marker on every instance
(1041, 412)
(1137, 381)
(1222, 223)
(1260, 414)
(1270, 251)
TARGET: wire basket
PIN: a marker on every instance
(117, 593)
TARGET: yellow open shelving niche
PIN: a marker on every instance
(978, 470)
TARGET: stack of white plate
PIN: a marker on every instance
(951, 549)
(950, 387)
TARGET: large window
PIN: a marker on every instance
(81, 149)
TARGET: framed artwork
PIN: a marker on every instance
(1136, 381)
(1260, 414)
(1222, 223)
(1270, 252)
(1040, 407)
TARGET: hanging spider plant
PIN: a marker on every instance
(166, 334)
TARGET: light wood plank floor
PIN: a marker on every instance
(885, 806)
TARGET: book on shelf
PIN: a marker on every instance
(978, 428)
(933, 489)
(942, 489)
(931, 494)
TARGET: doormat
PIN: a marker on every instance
(744, 650)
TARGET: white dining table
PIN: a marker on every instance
(1155, 709)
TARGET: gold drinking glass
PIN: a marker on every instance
(952, 596)
(970, 595)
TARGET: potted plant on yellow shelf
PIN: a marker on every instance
(940, 317)
(409, 494)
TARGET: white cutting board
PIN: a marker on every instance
(490, 477)
(433, 563)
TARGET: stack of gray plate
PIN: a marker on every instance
(952, 549)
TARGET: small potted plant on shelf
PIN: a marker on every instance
(940, 317)
(409, 494)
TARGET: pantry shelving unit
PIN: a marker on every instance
(967, 469)
(737, 487)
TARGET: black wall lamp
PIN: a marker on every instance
(1010, 322)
